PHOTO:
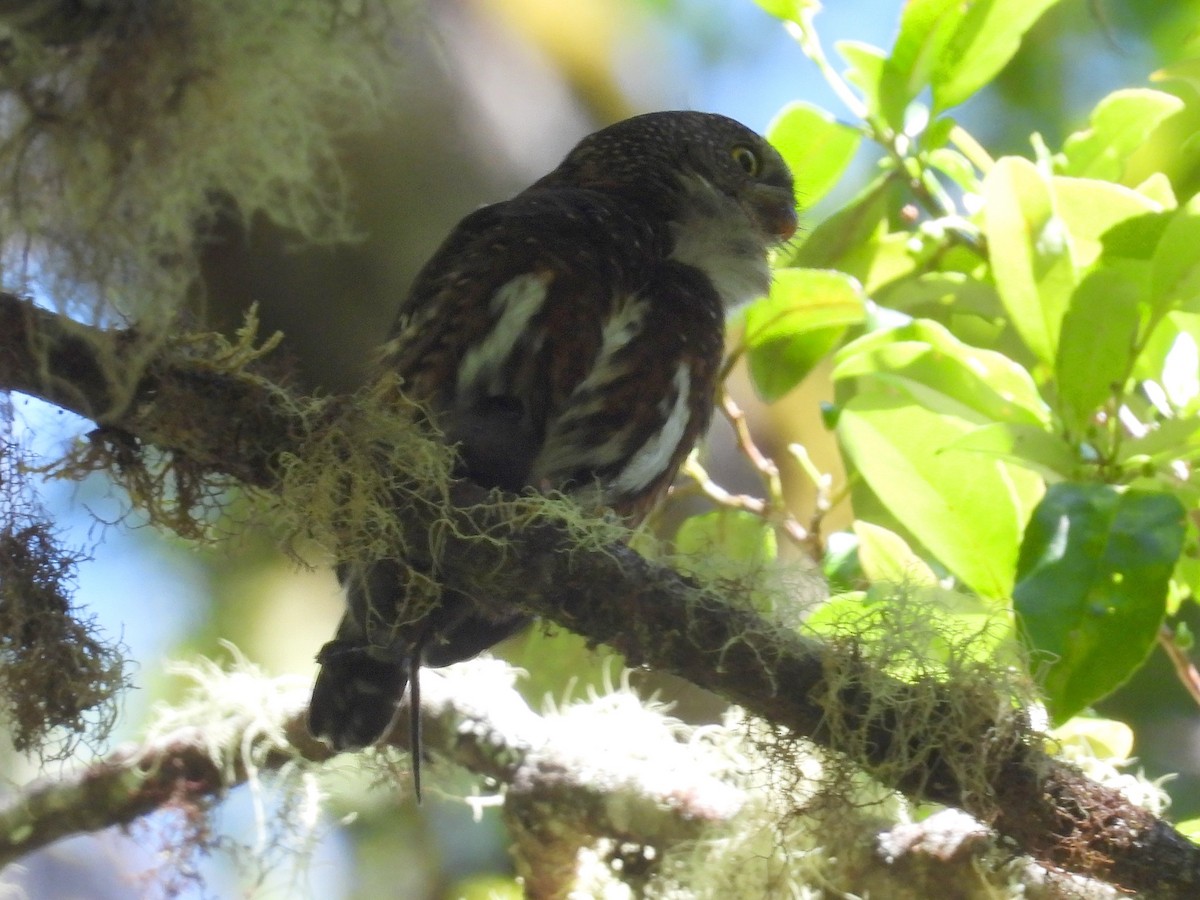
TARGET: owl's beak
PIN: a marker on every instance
(774, 211)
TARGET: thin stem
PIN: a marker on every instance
(810, 44)
(1185, 669)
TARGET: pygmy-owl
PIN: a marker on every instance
(568, 338)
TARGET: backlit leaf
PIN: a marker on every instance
(1032, 258)
(1118, 125)
(795, 327)
(816, 147)
(985, 38)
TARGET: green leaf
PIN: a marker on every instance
(1030, 446)
(729, 535)
(1092, 586)
(795, 327)
(798, 11)
(1117, 127)
(892, 257)
(815, 146)
(866, 67)
(927, 361)
(848, 239)
(1158, 188)
(985, 38)
(1152, 361)
(956, 167)
(1175, 268)
(948, 293)
(1092, 209)
(1096, 347)
(1189, 828)
(967, 512)
(1031, 254)
(926, 27)
(1105, 739)
(1169, 440)
(886, 557)
(732, 533)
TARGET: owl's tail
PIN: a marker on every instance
(363, 677)
(357, 691)
(356, 697)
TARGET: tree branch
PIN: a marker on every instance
(566, 792)
(475, 718)
(238, 426)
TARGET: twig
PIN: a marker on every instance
(774, 508)
(1185, 669)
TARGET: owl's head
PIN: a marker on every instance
(666, 157)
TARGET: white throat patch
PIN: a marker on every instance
(716, 237)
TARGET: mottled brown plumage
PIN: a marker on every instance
(569, 338)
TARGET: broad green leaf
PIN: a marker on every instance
(1118, 125)
(1092, 586)
(729, 535)
(1091, 209)
(1096, 347)
(1159, 189)
(893, 257)
(816, 147)
(936, 135)
(968, 512)
(840, 565)
(1175, 268)
(886, 557)
(941, 371)
(1031, 253)
(926, 27)
(984, 40)
(1105, 739)
(848, 239)
(795, 327)
(1152, 362)
(1189, 828)
(1029, 446)
(733, 533)
(952, 292)
(866, 65)
(1168, 440)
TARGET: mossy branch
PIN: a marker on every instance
(476, 719)
(963, 750)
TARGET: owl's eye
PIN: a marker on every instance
(747, 159)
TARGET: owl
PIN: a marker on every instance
(568, 339)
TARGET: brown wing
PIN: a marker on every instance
(559, 348)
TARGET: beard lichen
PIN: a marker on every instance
(169, 489)
(118, 144)
(59, 680)
(924, 703)
(243, 722)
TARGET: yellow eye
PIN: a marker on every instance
(747, 159)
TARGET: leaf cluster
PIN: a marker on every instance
(1014, 345)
